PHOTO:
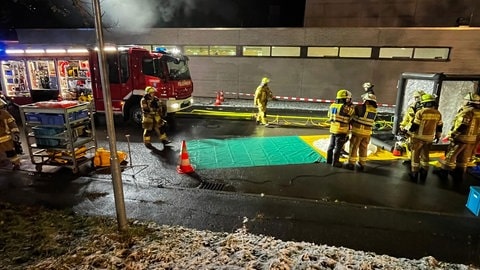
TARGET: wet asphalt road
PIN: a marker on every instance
(379, 210)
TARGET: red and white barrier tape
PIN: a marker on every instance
(317, 100)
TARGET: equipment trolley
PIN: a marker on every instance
(59, 133)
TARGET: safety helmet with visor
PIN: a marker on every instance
(425, 98)
(265, 80)
(343, 94)
(368, 85)
(150, 89)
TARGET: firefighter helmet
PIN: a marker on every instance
(3, 103)
(472, 98)
(265, 80)
(370, 97)
(343, 93)
(368, 85)
(418, 94)
(427, 98)
(150, 89)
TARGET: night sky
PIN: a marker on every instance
(136, 14)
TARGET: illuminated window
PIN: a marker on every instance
(223, 50)
(286, 51)
(196, 50)
(395, 53)
(322, 52)
(431, 53)
(256, 50)
(356, 52)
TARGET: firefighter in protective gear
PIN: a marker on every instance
(152, 109)
(339, 114)
(9, 135)
(426, 127)
(407, 120)
(262, 95)
(368, 88)
(463, 137)
(362, 126)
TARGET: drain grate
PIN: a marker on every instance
(211, 186)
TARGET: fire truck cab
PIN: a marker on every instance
(29, 75)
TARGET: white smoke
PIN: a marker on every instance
(137, 16)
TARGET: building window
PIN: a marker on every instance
(322, 52)
(396, 53)
(355, 52)
(223, 50)
(286, 51)
(196, 50)
(431, 53)
(256, 51)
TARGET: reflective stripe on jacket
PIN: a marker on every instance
(470, 118)
(364, 119)
(429, 121)
(340, 115)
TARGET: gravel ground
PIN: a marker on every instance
(33, 237)
(180, 248)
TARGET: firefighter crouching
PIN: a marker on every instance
(426, 127)
(463, 138)
(362, 126)
(9, 136)
(339, 114)
(152, 121)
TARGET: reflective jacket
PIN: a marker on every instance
(262, 94)
(340, 115)
(466, 125)
(8, 127)
(364, 119)
(427, 124)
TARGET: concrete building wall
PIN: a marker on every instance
(390, 13)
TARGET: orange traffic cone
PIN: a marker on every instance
(222, 98)
(184, 165)
(218, 101)
(397, 149)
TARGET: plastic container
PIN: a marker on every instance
(473, 202)
(42, 132)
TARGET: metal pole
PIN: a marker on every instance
(114, 164)
(130, 153)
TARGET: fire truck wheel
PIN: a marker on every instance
(136, 115)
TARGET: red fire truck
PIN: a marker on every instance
(31, 75)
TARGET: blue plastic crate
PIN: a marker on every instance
(33, 118)
(51, 119)
(48, 142)
(473, 202)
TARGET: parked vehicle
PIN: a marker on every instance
(32, 75)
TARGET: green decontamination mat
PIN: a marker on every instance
(249, 152)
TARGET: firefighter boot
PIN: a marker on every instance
(441, 173)
(359, 167)
(349, 166)
(423, 174)
(413, 176)
(164, 139)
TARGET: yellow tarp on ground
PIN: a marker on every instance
(320, 144)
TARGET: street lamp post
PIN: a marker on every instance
(114, 163)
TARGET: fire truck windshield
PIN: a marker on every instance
(178, 69)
